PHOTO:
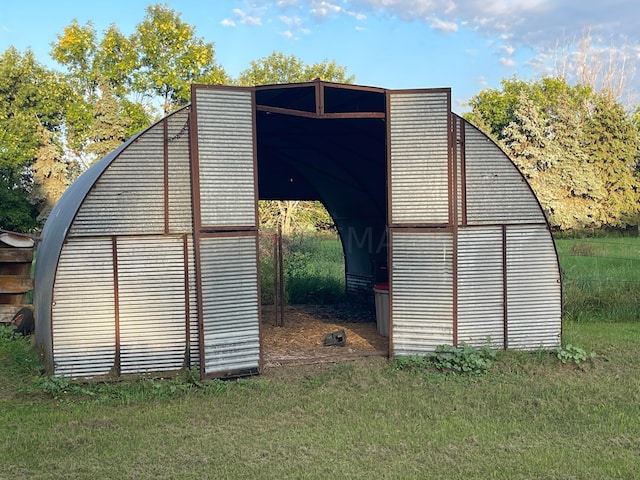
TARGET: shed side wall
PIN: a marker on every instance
(151, 297)
(83, 311)
(534, 303)
(480, 286)
(421, 291)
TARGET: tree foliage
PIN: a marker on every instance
(171, 58)
(31, 116)
(278, 68)
(577, 148)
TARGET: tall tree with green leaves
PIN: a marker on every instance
(292, 215)
(578, 149)
(31, 117)
(278, 68)
(171, 58)
(612, 143)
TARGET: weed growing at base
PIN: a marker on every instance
(464, 359)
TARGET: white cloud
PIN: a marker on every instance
(509, 50)
(442, 26)
(247, 19)
(507, 62)
(227, 22)
(294, 27)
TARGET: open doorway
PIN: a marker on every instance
(306, 313)
(324, 144)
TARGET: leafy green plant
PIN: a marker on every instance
(409, 362)
(573, 354)
(463, 359)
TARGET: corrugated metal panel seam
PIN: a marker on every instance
(187, 301)
(165, 165)
(453, 212)
(505, 315)
(116, 313)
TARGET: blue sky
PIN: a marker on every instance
(468, 45)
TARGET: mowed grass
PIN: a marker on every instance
(601, 278)
(529, 417)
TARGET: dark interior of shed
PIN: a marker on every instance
(323, 142)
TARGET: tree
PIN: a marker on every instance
(292, 215)
(50, 175)
(31, 117)
(612, 144)
(578, 149)
(279, 68)
(171, 58)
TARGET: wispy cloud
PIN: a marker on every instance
(294, 27)
(443, 26)
(227, 22)
(246, 18)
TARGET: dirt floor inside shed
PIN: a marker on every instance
(300, 340)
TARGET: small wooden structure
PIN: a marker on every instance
(16, 256)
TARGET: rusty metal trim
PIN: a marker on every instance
(165, 152)
(463, 173)
(327, 116)
(505, 287)
(197, 219)
(116, 305)
(187, 307)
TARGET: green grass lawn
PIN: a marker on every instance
(530, 417)
(601, 278)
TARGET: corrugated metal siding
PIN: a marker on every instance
(151, 287)
(419, 157)
(194, 339)
(230, 299)
(226, 157)
(422, 291)
(480, 286)
(534, 306)
(459, 122)
(179, 178)
(496, 192)
(128, 199)
(359, 285)
(83, 311)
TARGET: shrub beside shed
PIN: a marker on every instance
(149, 262)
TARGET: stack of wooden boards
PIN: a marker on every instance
(16, 257)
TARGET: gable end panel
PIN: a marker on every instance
(480, 286)
(179, 173)
(128, 198)
(496, 191)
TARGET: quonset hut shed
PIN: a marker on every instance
(149, 261)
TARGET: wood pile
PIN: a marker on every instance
(16, 257)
